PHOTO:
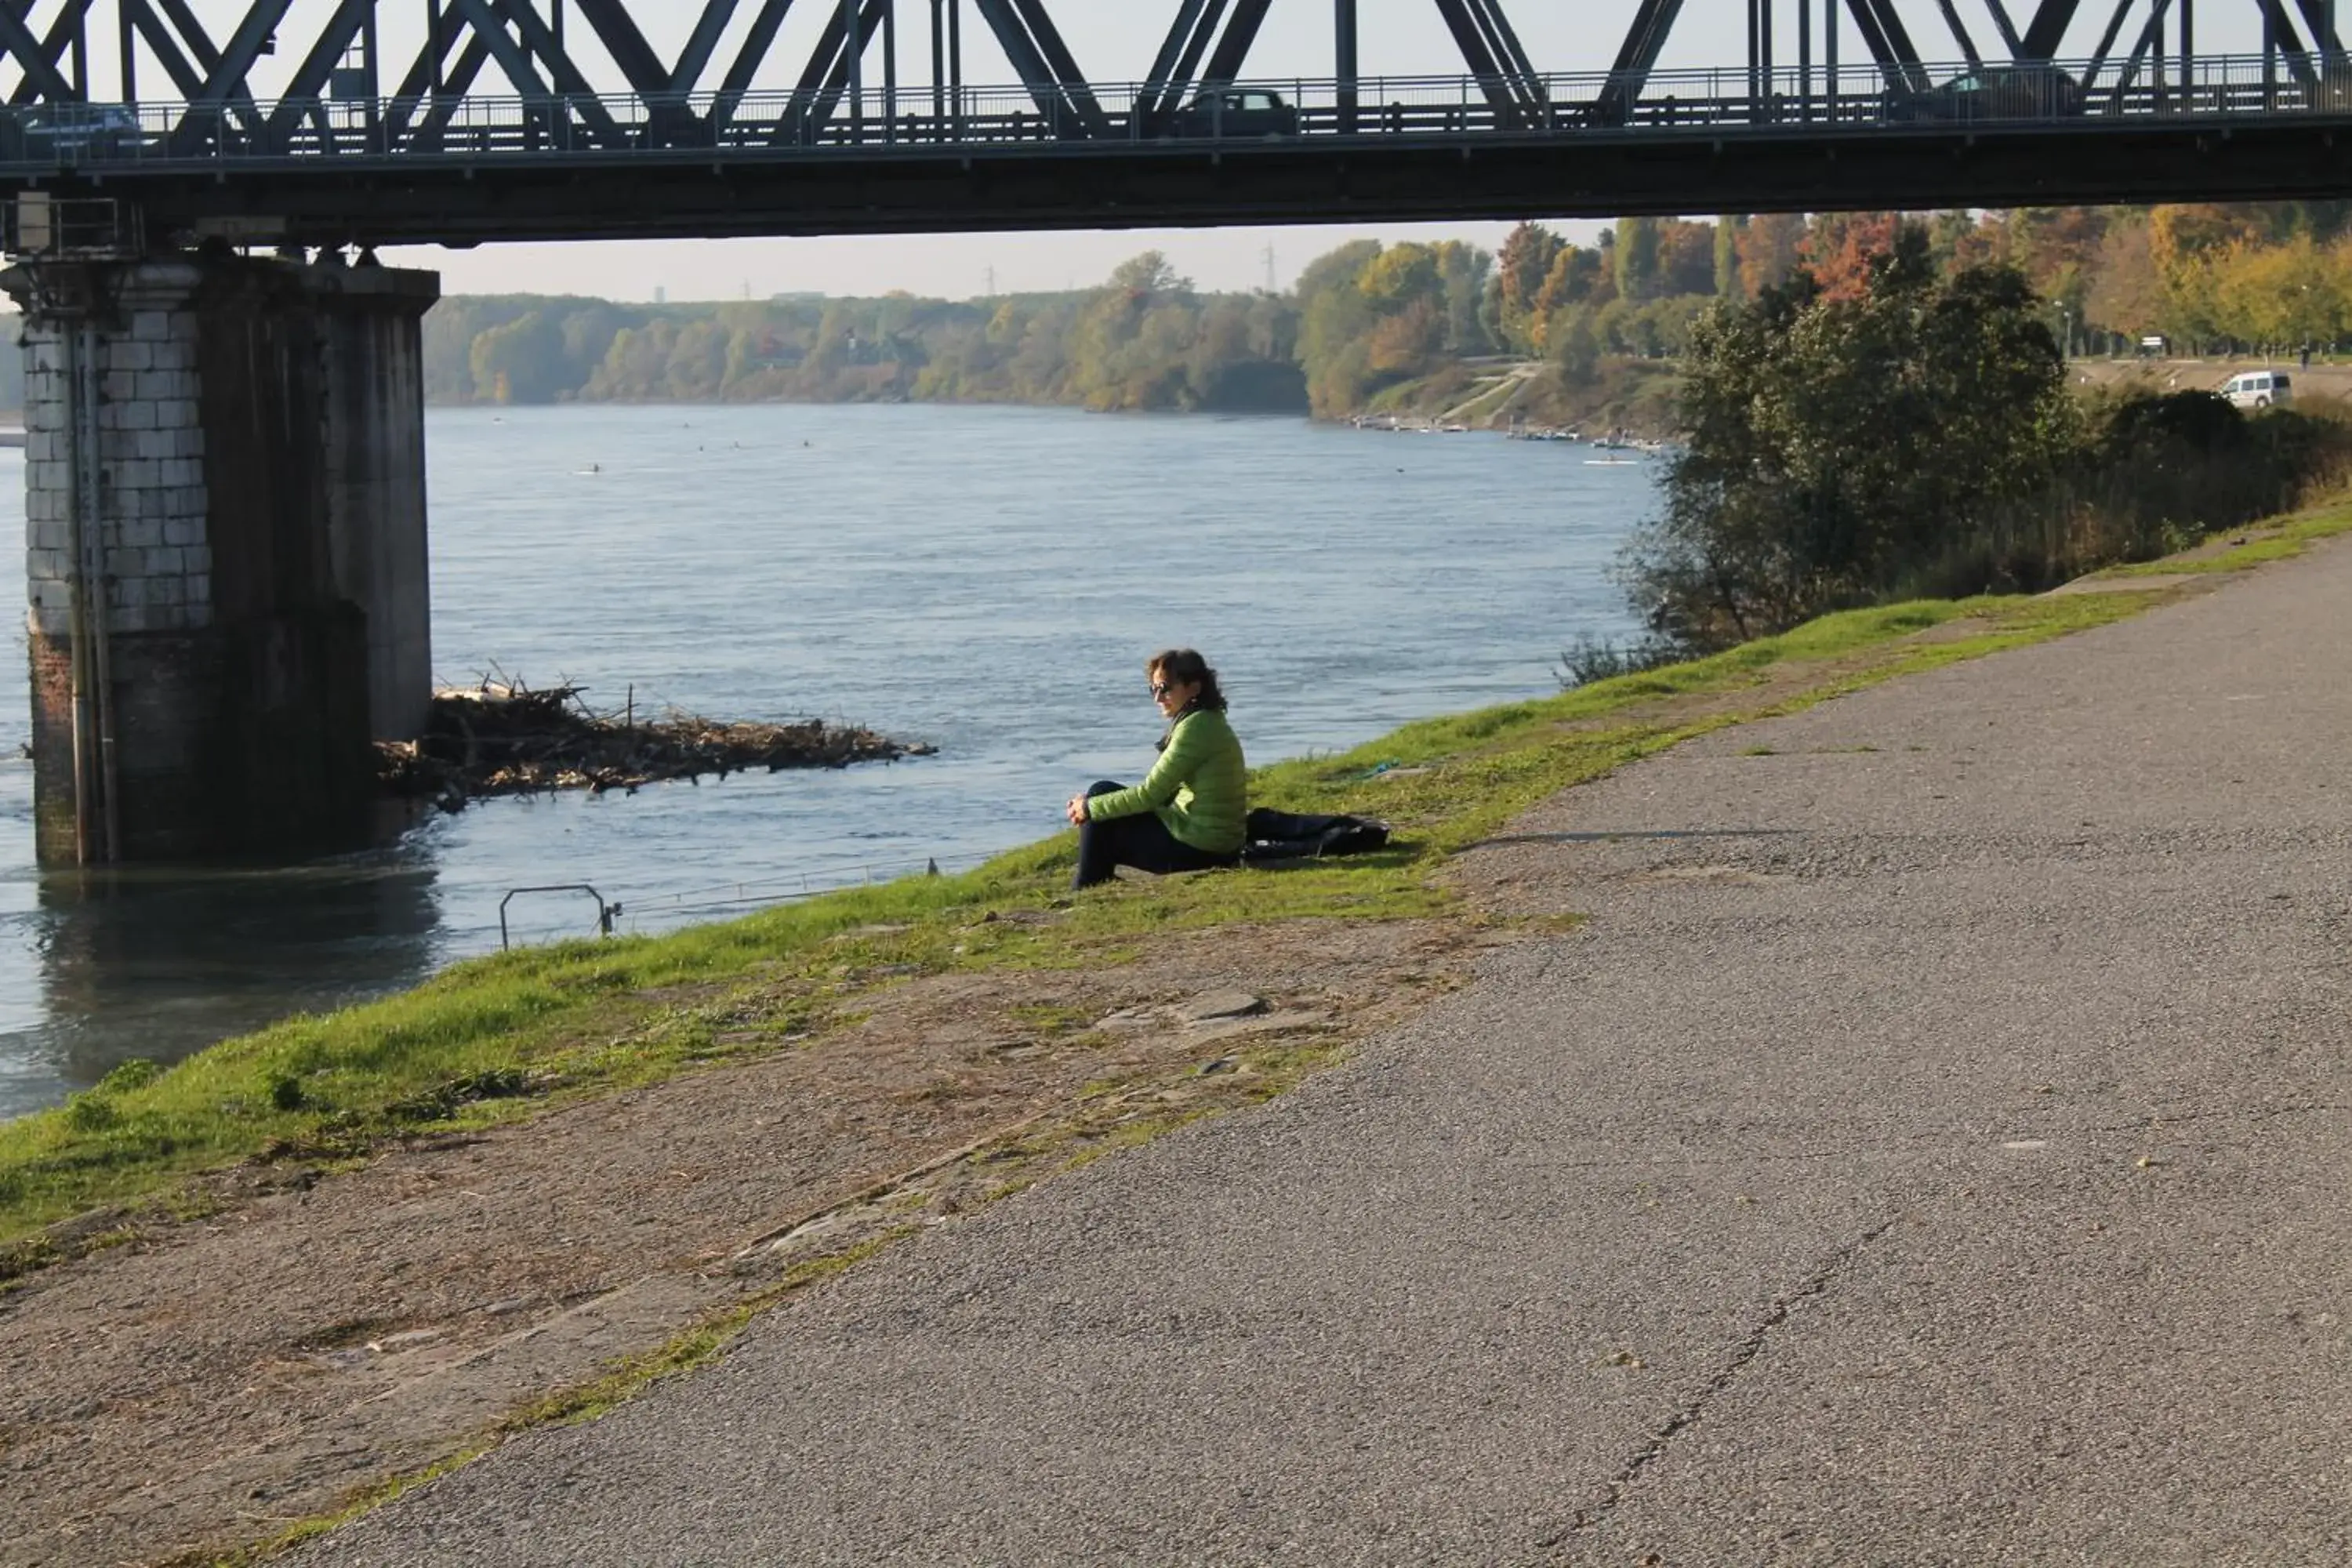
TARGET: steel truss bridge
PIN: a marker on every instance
(558, 119)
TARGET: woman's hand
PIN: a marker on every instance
(1076, 811)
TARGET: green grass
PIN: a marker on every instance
(360, 1501)
(2264, 543)
(499, 1037)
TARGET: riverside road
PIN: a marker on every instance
(1941, 1159)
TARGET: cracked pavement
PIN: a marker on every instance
(1933, 1153)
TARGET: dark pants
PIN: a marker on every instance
(1142, 841)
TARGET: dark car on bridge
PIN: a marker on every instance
(1987, 93)
(72, 132)
(1237, 111)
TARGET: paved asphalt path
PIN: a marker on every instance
(1942, 1159)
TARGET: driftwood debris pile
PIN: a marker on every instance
(504, 737)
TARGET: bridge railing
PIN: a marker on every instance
(1857, 98)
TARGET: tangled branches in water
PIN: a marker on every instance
(504, 737)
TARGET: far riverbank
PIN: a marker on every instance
(1620, 395)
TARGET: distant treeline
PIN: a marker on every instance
(1365, 319)
(1145, 340)
(1368, 324)
(1362, 317)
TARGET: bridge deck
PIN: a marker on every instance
(574, 166)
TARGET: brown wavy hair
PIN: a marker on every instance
(1184, 665)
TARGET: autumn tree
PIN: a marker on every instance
(520, 361)
(1335, 318)
(2181, 236)
(1954, 240)
(1837, 446)
(1839, 249)
(2125, 293)
(1407, 344)
(2057, 248)
(1636, 259)
(1520, 268)
(1127, 334)
(1146, 275)
(1398, 277)
(1771, 246)
(1578, 279)
(1463, 271)
(1573, 344)
(1686, 258)
(2284, 296)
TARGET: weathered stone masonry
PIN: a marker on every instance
(258, 501)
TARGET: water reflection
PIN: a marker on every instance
(157, 963)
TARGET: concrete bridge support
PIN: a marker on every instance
(226, 549)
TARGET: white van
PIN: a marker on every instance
(2258, 388)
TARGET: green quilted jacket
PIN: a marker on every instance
(1199, 786)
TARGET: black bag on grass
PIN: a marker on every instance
(1286, 835)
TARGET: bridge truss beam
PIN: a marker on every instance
(503, 97)
(914, 189)
(1207, 43)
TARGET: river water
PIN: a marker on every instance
(988, 580)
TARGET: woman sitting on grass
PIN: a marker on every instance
(1187, 814)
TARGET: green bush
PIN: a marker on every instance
(136, 1073)
(1918, 441)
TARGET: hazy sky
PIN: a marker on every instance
(954, 266)
(1113, 40)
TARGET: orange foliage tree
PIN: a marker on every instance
(1770, 247)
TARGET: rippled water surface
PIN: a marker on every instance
(984, 579)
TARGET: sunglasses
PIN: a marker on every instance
(1159, 690)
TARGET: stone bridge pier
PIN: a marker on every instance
(226, 551)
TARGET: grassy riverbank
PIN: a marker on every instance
(503, 1037)
(1620, 394)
